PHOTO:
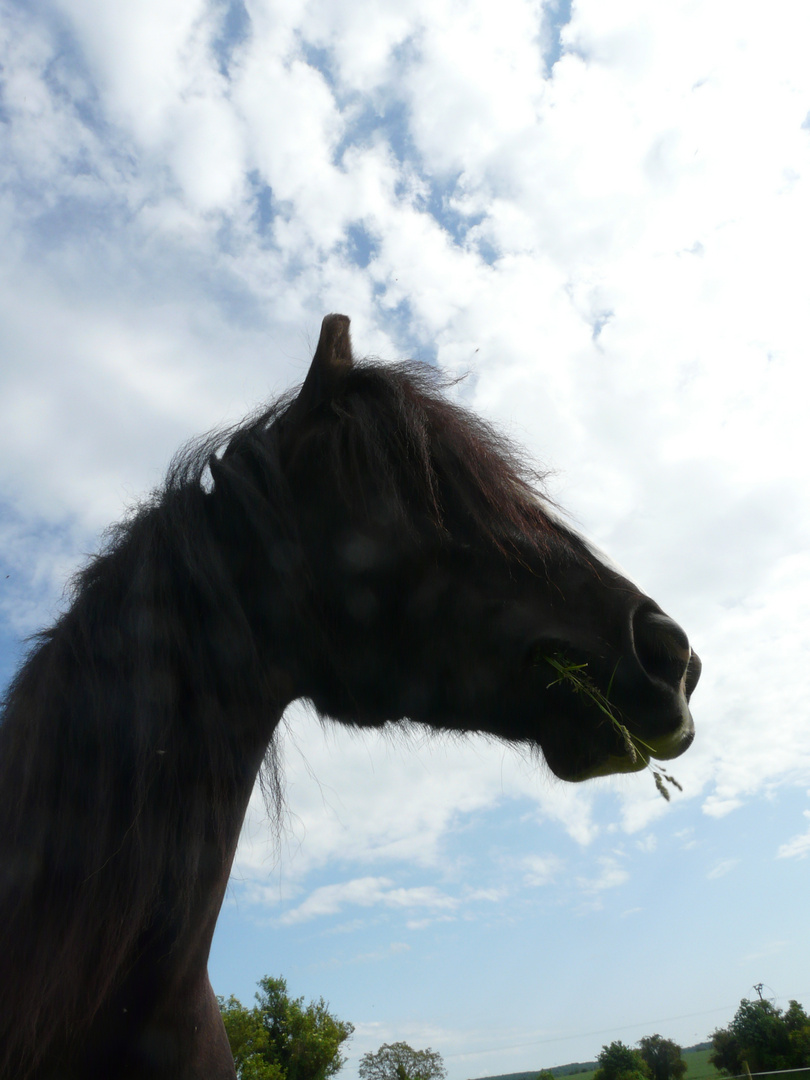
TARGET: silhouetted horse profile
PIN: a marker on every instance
(364, 544)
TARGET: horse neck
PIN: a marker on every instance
(130, 744)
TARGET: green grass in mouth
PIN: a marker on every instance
(577, 678)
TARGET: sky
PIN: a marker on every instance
(599, 212)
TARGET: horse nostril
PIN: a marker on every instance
(661, 646)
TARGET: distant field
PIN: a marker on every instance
(698, 1068)
(581, 1075)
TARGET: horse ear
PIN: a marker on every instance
(333, 357)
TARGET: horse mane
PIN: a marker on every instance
(118, 742)
(426, 450)
(107, 729)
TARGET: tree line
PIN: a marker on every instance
(282, 1038)
(761, 1038)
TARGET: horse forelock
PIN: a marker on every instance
(391, 424)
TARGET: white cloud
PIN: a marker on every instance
(145, 59)
(648, 844)
(725, 866)
(611, 875)
(488, 896)
(365, 892)
(541, 869)
(686, 839)
(476, 84)
(798, 846)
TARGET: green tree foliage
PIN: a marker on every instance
(798, 1024)
(398, 1061)
(726, 1056)
(663, 1057)
(280, 1038)
(250, 1042)
(620, 1062)
(764, 1037)
(546, 1074)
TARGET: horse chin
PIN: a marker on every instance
(611, 765)
(646, 750)
(616, 764)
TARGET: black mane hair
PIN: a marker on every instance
(422, 444)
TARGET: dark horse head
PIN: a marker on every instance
(365, 544)
(444, 588)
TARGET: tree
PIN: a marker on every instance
(398, 1061)
(663, 1058)
(282, 1039)
(762, 1035)
(764, 1038)
(726, 1052)
(798, 1024)
(546, 1074)
(250, 1042)
(620, 1062)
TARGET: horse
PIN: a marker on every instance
(364, 543)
